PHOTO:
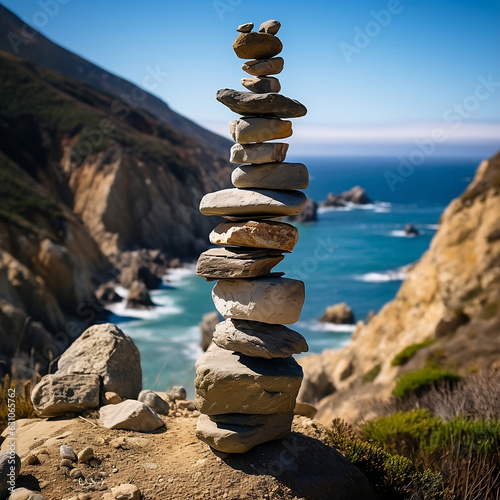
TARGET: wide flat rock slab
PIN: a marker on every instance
(264, 152)
(263, 67)
(259, 234)
(268, 104)
(253, 338)
(270, 300)
(228, 382)
(239, 435)
(259, 129)
(218, 263)
(271, 176)
(253, 202)
(130, 415)
(257, 45)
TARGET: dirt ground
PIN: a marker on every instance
(168, 464)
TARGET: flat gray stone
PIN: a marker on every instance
(265, 152)
(218, 263)
(272, 27)
(228, 382)
(154, 401)
(263, 67)
(270, 300)
(57, 394)
(261, 340)
(252, 202)
(256, 129)
(268, 104)
(245, 28)
(271, 176)
(106, 351)
(65, 452)
(238, 437)
(259, 234)
(131, 415)
(261, 84)
(257, 45)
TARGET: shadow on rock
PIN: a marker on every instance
(308, 467)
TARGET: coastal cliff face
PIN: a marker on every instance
(84, 181)
(451, 296)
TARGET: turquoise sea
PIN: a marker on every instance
(355, 254)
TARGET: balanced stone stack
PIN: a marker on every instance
(247, 381)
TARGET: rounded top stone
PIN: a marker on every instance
(245, 28)
(272, 27)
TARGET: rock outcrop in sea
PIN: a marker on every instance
(451, 296)
(247, 381)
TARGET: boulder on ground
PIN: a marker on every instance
(131, 415)
(341, 314)
(106, 351)
(154, 401)
(59, 394)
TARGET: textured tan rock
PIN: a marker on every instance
(340, 314)
(107, 351)
(218, 263)
(270, 300)
(271, 176)
(262, 67)
(272, 27)
(57, 394)
(130, 415)
(265, 152)
(256, 129)
(261, 340)
(261, 84)
(252, 202)
(257, 45)
(234, 436)
(259, 234)
(228, 382)
(266, 104)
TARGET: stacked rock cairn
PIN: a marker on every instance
(247, 381)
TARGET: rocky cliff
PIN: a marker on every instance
(451, 296)
(84, 185)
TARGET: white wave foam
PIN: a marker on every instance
(394, 275)
(434, 227)
(379, 207)
(178, 275)
(401, 233)
(165, 307)
(319, 326)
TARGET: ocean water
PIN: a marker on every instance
(356, 254)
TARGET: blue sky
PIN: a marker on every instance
(370, 72)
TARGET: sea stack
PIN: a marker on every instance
(247, 381)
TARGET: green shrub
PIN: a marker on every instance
(402, 433)
(371, 375)
(407, 353)
(391, 476)
(421, 380)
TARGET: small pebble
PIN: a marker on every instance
(66, 462)
(76, 473)
(86, 454)
(31, 460)
(245, 28)
(68, 453)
